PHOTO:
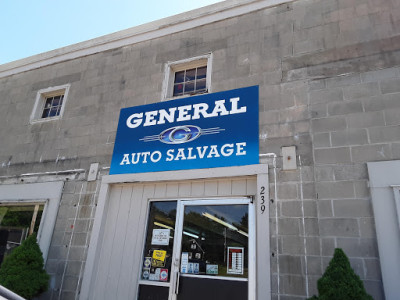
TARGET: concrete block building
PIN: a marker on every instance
(326, 78)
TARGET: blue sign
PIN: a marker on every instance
(205, 131)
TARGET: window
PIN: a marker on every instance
(187, 77)
(22, 200)
(17, 222)
(49, 104)
(190, 81)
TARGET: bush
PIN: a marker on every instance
(339, 281)
(22, 271)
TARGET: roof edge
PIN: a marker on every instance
(140, 33)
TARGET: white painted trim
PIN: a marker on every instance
(262, 282)
(215, 277)
(174, 66)
(252, 259)
(99, 221)
(382, 177)
(152, 30)
(396, 193)
(187, 174)
(49, 192)
(95, 240)
(40, 101)
(154, 283)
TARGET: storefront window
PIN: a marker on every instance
(159, 241)
(16, 224)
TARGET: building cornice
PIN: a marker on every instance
(184, 21)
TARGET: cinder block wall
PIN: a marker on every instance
(329, 84)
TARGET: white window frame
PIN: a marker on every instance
(176, 66)
(36, 116)
(47, 193)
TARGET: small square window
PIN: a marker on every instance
(49, 104)
(187, 77)
(190, 81)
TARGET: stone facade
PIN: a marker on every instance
(329, 79)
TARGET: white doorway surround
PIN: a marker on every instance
(113, 263)
(384, 185)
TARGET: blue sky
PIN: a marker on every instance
(29, 27)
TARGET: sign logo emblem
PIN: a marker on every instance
(180, 134)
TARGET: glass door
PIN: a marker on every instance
(198, 249)
(156, 268)
(215, 242)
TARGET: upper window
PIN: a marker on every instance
(50, 103)
(187, 77)
(190, 81)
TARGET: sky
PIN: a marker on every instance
(29, 27)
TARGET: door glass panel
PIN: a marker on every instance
(156, 265)
(215, 240)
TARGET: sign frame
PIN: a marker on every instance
(204, 131)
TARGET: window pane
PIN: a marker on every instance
(201, 85)
(189, 87)
(56, 101)
(178, 89)
(53, 112)
(45, 113)
(201, 72)
(156, 265)
(190, 75)
(48, 102)
(52, 106)
(186, 82)
(215, 240)
(179, 76)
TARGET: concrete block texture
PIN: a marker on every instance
(328, 76)
(339, 227)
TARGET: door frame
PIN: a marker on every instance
(251, 241)
(261, 284)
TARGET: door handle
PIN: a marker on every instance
(178, 276)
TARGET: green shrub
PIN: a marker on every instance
(22, 271)
(339, 281)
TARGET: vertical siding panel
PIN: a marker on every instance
(185, 189)
(116, 257)
(131, 249)
(224, 187)
(172, 190)
(148, 193)
(251, 186)
(107, 244)
(211, 188)
(239, 187)
(197, 188)
(161, 190)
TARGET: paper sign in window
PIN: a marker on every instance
(235, 260)
(160, 237)
(158, 258)
(184, 262)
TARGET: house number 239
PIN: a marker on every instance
(262, 197)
